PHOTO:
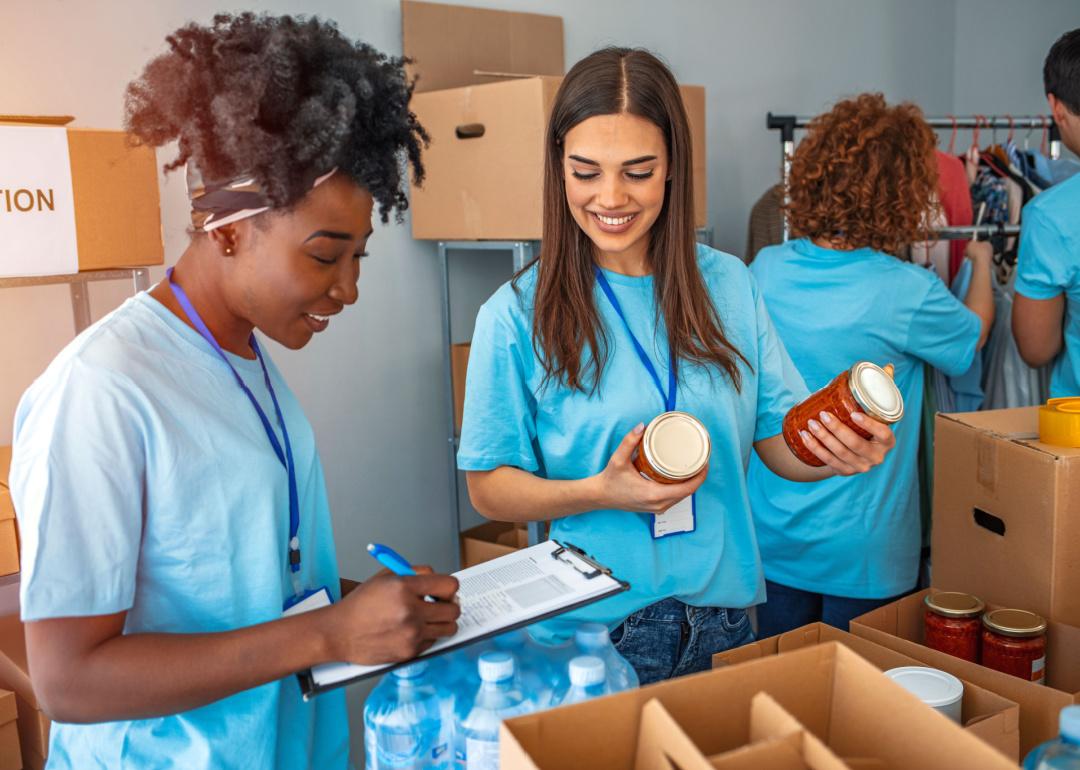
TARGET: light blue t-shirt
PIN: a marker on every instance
(144, 482)
(1049, 264)
(511, 419)
(856, 536)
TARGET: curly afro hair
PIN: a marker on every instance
(865, 175)
(284, 99)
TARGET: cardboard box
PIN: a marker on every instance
(490, 541)
(15, 675)
(459, 365)
(1007, 523)
(9, 530)
(985, 714)
(10, 755)
(486, 160)
(88, 203)
(840, 698)
(899, 626)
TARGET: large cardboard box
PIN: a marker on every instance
(899, 626)
(10, 755)
(75, 199)
(9, 534)
(459, 366)
(989, 716)
(840, 698)
(490, 541)
(33, 725)
(486, 160)
(1007, 513)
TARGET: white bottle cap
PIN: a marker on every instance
(496, 666)
(586, 671)
(592, 635)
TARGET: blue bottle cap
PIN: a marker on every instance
(1070, 723)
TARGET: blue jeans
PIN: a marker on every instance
(670, 639)
(788, 608)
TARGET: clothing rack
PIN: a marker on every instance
(787, 124)
(975, 232)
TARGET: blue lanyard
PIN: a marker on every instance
(672, 389)
(286, 457)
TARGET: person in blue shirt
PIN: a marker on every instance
(170, 496)
(1046, 312)
(863, 181)
(557, 395)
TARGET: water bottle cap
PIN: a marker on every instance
(411, 672)
(590, 635)
(586, 671)
(496, 666)
(1070, 723)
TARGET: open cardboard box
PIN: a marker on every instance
(899, 626)
(840, 698)
(459, 367)
(486, 84)
(112, 192)
(10, 755)
(9, 535)
(989, 716)
(490, 541)
(1007, 523)
(33, 725)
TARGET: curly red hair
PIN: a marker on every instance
(865, 175)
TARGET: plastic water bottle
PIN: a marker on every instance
(588, 680)
(408, 722)
(499, 697)
(595, 639)
(540, 673)
(1062, 753)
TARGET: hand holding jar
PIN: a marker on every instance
(845, 425)
(625, 486)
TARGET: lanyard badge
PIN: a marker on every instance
(681, 517)
(285, 455)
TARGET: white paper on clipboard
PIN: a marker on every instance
(506, 592)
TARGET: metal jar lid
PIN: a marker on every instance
(953, 604)
(676, 445)
(1018, 623)
(876, 392)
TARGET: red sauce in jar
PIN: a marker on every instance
(952, 624)
(1014, 642)
(864, 389)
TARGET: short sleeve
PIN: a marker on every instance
(1045, 267)
(77, 481)
(499, 422)
(943, 331)
(780, 386)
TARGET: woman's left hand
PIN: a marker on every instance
(842, 449)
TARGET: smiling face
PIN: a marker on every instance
(615, 169)
(301, 266)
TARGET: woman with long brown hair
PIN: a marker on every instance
(863, 188)
(570, 360)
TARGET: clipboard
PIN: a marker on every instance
(566, 563)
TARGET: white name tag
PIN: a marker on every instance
(679, 518)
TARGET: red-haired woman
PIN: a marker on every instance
(862, 189)
(622, 317)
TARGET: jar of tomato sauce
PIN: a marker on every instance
(1014, 642)
(865, 388)
(952, 623)
(674, 448)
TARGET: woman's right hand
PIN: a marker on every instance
(979, 252)
(623, 488)
(386, 619)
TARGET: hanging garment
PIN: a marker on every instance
(1007, 381)
(955, 198)
(766, 222)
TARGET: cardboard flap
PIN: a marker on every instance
(452, 45)
(775, 754)
(661, 739)
(5, 465)
(37, 120)
(8, 710)
(768, 719)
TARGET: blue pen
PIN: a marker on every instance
(390, 559)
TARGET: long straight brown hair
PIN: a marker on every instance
(566, 321)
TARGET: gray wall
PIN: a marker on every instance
(372, 385)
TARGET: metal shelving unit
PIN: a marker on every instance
(78, 284)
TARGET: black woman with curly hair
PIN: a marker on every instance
(863, 188)
(171, 497)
